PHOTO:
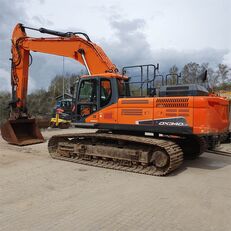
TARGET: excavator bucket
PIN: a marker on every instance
(21, 132)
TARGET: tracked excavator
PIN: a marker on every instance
(149, 133)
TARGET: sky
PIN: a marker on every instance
(168, 32)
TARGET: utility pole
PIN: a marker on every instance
(63, 78)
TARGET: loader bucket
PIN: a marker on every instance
(21, 132)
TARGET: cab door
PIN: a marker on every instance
(96, 100)
(108, 92)
(86, 99)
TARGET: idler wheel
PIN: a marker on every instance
(160, 159)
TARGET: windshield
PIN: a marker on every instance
(87, 91)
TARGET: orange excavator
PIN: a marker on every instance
(141, 129)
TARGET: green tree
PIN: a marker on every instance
(4, 105)
(40, 103)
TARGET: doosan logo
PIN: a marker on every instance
(172, 123)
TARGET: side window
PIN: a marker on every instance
(87, 91)
(122, 87)
(105, 92)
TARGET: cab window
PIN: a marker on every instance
(87, 92)
(105, 92)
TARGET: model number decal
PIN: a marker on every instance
(171, 123)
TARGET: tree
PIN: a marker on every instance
(40, 103)
(173, 71)
(223, 72)
(4, 104)
(56, 85)
(190, 72)
(213, 77)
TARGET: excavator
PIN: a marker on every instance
(148, 133)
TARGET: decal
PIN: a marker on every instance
(174, 121)
(171, 123)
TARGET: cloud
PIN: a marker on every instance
(131, 47)
(170, 57)
(41, 20)
(45, 67)
(128, 44)
(227, 58)
(4, 80)
(127, 26)
(11, 12)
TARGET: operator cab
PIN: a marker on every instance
(95, 93)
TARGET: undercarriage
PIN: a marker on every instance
(145, 155)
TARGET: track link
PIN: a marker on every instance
(65, 145)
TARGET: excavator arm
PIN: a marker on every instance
(68, 44)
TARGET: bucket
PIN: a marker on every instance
(21, 132)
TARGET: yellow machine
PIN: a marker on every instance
(61, 117)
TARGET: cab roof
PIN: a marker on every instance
(107, 75)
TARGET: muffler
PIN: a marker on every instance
(21, 132)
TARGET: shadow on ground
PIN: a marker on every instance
(206, 161)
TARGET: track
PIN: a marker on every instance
(119, 152)
(221, 153)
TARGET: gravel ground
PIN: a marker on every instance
(39, 193)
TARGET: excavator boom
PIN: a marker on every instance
(21, 129)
